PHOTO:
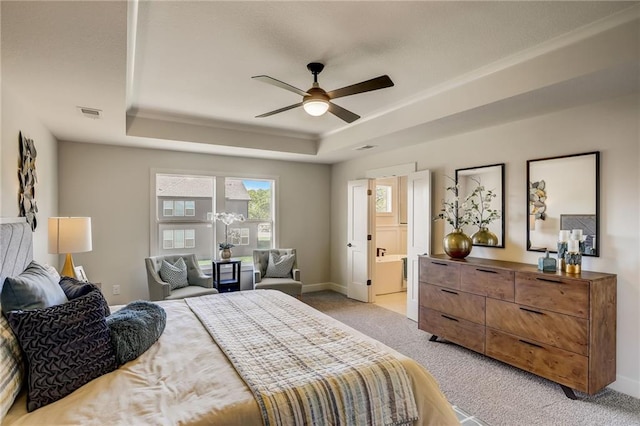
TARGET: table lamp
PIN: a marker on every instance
(69, 235)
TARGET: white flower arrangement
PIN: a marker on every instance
(228, 219)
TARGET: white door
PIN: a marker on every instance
(418, 233)
(360, 239)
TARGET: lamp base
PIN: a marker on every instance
(67, 269)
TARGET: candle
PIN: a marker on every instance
(564, 236)
(573, 246)
(576, 234)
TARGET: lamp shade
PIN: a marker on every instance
(69, 234)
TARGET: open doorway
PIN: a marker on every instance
(362, 245)
(390, 285)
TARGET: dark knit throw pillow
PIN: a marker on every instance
(65, 347)
(74, 288)
(135, 328)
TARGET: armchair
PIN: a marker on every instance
(287, 282)
(199, 283)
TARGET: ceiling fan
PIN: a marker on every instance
(316, 101)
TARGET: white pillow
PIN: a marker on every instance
(175, 275)
(280, 266)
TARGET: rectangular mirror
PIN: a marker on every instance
(483, 188)
(563, 195)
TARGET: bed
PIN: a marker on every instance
(186, 377)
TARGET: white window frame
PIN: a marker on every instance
(218, 197)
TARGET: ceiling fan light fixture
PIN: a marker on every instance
(316, 107)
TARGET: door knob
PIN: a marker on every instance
(349, 245)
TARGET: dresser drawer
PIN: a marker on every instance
(456, 303)
(464, 333)
(487, 281)
(562, 331)
(555, 364)
(553, 293)
(440, 272)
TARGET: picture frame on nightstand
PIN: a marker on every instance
(80, 274)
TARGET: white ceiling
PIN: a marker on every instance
(177, 74)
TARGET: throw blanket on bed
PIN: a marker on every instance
(301, 370)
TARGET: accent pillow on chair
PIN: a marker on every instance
(280, 266)
(175, 275)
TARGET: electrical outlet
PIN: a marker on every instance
(116, 289)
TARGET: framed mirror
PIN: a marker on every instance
(564, 194)
(483, 189)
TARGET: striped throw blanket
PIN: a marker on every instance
(301, 369)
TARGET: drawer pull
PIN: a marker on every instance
(449, 318)
(549, 281)
(531, 344)
(532, 311)
(489, 271)
(448, 291)
(440, 263)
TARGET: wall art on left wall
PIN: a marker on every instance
(28, 178)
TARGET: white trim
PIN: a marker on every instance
(311, 288)
(397, 170)
(626, 385)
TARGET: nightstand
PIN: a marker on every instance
(232, 284)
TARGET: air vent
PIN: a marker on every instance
(365, 147)
(90, 112)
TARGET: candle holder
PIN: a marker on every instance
(573, 261)
(562, 251)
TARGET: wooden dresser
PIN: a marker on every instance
(556, 325)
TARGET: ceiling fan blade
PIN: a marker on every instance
(342, 113)
(281, 84)
(365, 86)
(287, 108)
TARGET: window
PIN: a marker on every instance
(183, 215)
(383, 199)
(185, 207)
(167, 208)
(189, 208)
(178, 238)
(179, 208)
(254, 199)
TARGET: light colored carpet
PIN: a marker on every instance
(490, 390)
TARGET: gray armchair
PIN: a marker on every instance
(199, 283)
(290, 284)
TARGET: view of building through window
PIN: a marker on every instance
(185, 207)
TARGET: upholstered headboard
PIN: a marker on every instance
(16, 247)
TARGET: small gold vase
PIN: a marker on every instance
(225, 254)
(457, 244)
(484, 237)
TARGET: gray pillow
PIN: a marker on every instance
(280, 265)
(34, 288)
(175, 275)
(135, 328)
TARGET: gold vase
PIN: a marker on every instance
(484, 237)
(225, 254)
(457, 244)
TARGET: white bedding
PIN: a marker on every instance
(184, 378)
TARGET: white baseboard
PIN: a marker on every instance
(310, 288)
(626, 385)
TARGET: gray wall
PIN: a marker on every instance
(112, 185)
(610, 127)
(17, 117)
